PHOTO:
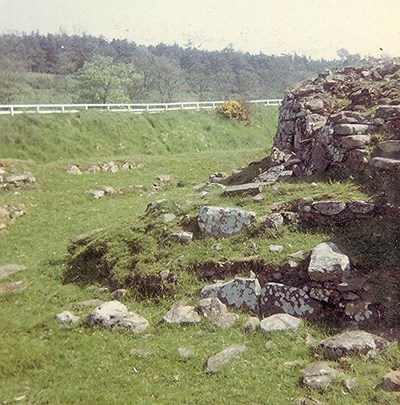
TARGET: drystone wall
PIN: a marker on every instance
(350, 117)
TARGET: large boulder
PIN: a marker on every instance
(114, 315)
(327, 263)
(242, 293)
(220, 221)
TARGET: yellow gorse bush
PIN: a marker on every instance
(235, 109)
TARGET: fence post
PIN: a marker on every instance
(38, 109)
(12, 110)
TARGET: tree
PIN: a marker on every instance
(101, 80)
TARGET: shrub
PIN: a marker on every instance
(239, 110)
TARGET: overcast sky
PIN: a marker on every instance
(316, 28)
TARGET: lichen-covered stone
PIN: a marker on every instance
(351, 343)
(278, 298)
(329, 207)
(327, 263)
(240, 293)
(215, 362)
(220, 221)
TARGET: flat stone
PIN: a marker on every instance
(385, 163)
(220, 221)
(215, 362)
(388, 111)
(318, 375)
(355, 141)
(329, 207)
(215, 311)
(392, 146)
(360, 207)
(280, 322)
(244, 189)
(280, 298)
(242, 293)
(9, 269)
(391, 381)
(353, 343)
(327, 263)
(115, 315)
(275, 248)
(271, 175)
(181, 313)
(353, 129)
(12, 287)
(67, 318)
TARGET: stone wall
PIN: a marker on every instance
(350, 117)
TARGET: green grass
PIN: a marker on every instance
(52, 364)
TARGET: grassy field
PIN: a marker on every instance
(47, 363)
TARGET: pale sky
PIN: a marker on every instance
(316, 28)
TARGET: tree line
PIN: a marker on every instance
(99, 70)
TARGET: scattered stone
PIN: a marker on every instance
(118, 295)
(102, 290)
(22, 180)
(280, 322)
(215, 362)
(9, 269)
(360, 207)
(219, 221)
(141, 353)
(391, 381)
(164, 274)
(353, 129)
(109, 190)
(182, 313)
(318, 375)
(215, 311)
(269, 345)
(350, 384)
(109, 167)
(252, 324)
(67, 318)
(183, 237)
(128, 166)
(216, 177)
(242, 293)
(308, 401)
(258, 198)
(275, 248)
(392, 146)
(74, 169)
(97, 194)
(293, 364)
(12, 287)
(300, 254)
(327, 263)
(184, 352)
(355, 141)
(93, 169)
(386, 163)
(351, 343)
(169, 217)
(271, 175)
(115, 315)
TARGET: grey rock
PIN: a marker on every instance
(215, 311)
(271, 175)
(280, 298)
(275, 248)
(182, 237)
(353, 129)
(219, 221)
(93, 169)
(385, 163)
(109, 167)
(115, 315)
(258, 198)
(215, 362)
(97, 194)
(252, 324)
(300, 255)
(273, 221)
(355, 141)
(329, 207)
(350, 384)
(280, 322)
(244, 189)
(360, 207)
(327, 263)
(388, 111)
(184, 352)
(181, 313)
(242, 293)
(318, 375)
(141, 353)
(391, 381)
(21, 180)
(118, 295)
(164, 178)
(351, 343)
(67, 318)
(74, 169)
(9, 269)
(169, 217)
(216, 177)
(392, 146)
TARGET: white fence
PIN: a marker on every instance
(13, 109)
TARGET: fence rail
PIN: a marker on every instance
(140, 108)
